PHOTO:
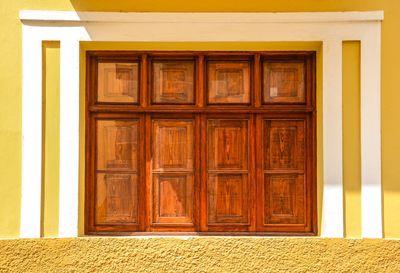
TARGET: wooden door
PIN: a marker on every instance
(172, 176)
(200, 142)
(227, 187)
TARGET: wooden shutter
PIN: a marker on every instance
(200, 142)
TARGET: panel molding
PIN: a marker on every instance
(329, 27)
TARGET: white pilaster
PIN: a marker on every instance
(333, 140)
(31, 133)
(371, 133)
(69, 137)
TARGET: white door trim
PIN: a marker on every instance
(331, 28)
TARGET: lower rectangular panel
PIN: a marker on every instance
(116, 199)
(173, 199)
(284, 199)
(227, 199)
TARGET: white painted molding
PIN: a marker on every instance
(200, 17)
(31, 134)
(333, 209)
(69, 137)
(331, 28)
(371, 192)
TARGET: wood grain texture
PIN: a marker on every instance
(285, 180)
(228, 82)
(201, 147)
(228, 200)
(284, 199)
(227, 144)
(228, 174)
(284, 143)
(284, 82)
(117, 145)
(173, 160)
(172, 144)
(118, 82)
(173, 82)
(116, 199)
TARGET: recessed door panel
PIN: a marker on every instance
(117, 145)
(173, 198)
(284, 143)
(283, 186)
(116, 199)
(172, 172)
(284, 200)
(284, 82)
(227, 144)
(228, 82)
(173, 144)
(173, 82)
(228, 199)
(118, 82)
(228, 173)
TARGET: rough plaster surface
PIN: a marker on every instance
(199, 254)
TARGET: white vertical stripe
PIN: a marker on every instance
(69, 137)
(332, 140)
(31, 134)
(371, 133)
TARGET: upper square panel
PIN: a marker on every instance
(283, 82)
(228, 82)
(118, 82)
(173, 82)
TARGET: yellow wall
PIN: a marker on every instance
(351, 139)
(205, 254)
(10, 95)
(51, 138)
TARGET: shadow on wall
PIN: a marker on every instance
(160, 6)
(218, 6)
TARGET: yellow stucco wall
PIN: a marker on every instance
(10, 98)
(205, 254)
(351, 139)
(51, 138)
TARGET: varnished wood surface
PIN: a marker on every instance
(118, 82)
(228, 82)
(173, 82)
(200, 143)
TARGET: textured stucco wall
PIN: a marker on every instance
(11, 99)
(206, 254)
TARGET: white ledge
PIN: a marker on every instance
(200, 17)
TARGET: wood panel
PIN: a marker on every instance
(227, 190)
(115, 203)
(284, 145)
(228, 82)
(172, 144)
(228, 200)
(118, 82)
(284, 199)
(173, 82)
(283, 82)
(227, 144)
(116, 199)
(172, 172)
(173, 198)
(117, 145)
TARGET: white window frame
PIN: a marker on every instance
(330, 28)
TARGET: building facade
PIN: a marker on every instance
(220, 138)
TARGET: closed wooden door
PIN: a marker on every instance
(200, 142)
